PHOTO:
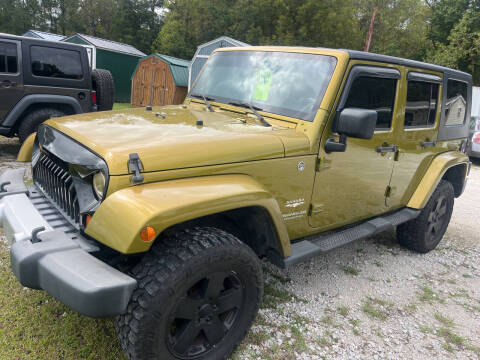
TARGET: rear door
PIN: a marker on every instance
(416, 134)
(11, 79)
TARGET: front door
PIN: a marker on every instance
(11, 80)
(351, 186)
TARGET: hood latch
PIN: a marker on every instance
(135, 166)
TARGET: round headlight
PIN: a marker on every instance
(99, 183)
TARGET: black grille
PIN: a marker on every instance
(51, 175)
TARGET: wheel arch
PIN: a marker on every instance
(253, 225)
(66, 104)
(451, 166)
(235, 203)
(26, 150)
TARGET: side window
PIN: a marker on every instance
(456, 105)
(56, 63)
(8, 58)
(421, 108)
(374, 93)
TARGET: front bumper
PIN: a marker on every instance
(47, 255)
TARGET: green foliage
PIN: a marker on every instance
(445, 32)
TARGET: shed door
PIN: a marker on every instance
(159, 84)
(140, 95)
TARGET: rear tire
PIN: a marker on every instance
(425, 232)
(29, 124)
(103, 84)
(197, 295)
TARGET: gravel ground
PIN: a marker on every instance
(371, 299)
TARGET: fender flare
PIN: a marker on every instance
(119, 220)
(26, 150)
(435, 172)
(29, 100)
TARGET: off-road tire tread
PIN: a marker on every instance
(168, 256)
(104, 86)
(411, 234)
(29, 124)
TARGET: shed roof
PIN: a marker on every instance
(109, 45)
(44, 35)
(224, 38)
(178, 68)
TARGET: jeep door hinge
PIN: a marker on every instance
(388, 191)
(396, 155)
(135, 166)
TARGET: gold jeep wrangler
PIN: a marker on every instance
(160, 216)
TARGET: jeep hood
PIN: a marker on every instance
(172, 138)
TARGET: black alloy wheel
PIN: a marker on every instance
(436, 219)
(205, 314)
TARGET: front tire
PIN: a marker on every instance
(425, 232)
(197, 295)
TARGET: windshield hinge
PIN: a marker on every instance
(135, 166)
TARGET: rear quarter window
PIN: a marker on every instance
(56, 63)
(8, 58)
(456, 104)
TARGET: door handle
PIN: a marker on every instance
(8, 83)
(387, 148)
(428, 143)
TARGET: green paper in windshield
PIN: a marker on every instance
(263, 80)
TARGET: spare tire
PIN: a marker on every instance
(102, 82)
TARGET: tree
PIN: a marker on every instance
(462, 50)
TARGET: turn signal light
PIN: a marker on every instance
(147, 234)
(88, 218)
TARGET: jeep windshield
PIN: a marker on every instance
(283, 83)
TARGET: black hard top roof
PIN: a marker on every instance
(362, 55)
(61, 44)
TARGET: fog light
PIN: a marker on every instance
(147, 234)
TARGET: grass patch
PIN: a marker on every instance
(343, 310)
(121, 106)
(377, 308)
(410, 308)
(445, 321)
(450, 338)
(351, 270)
(428, 295)
(467, 276)
(299, 343)
(34, 325)
(274, 296)
(426, 329)
(257, 337)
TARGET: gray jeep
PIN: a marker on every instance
(41, 79)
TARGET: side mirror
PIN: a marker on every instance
(357, 123)
(352, 122)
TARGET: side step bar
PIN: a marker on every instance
(320, 243)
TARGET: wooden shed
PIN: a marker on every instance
(160, 80)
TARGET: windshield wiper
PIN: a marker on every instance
(205, 99)
(253, 109)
